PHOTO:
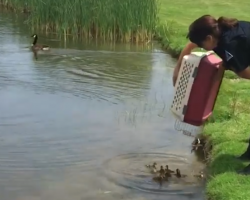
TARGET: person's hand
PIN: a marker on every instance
(175, 75)
(186, 50)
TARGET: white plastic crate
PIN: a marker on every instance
(184, 82)
(183, 85)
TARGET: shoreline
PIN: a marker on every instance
(226, 135)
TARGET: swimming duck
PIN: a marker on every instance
(167, 170)
(154, 170)
(151, 166)
(168, 174)
(161, 171)
(178, 174)
(36, 47)
(196, 144)
(201, 175)
(158, 179)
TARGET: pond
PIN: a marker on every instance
(82, 121)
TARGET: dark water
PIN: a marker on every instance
(83, 120)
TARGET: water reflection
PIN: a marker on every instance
(81, 122)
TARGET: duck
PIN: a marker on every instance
(154, 170)
(201, 175)
(196, 144)
(151, 166)
(37, 47)
(167, 170)
(161, 171)
(168, 174)
(179, 175)
(158, 179)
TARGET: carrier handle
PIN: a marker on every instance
(202, 54)
(209, 52)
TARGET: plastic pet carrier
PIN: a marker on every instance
(196, 90)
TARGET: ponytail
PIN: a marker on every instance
(208, 25)
(227, 23)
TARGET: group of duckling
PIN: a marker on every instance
(164, 174)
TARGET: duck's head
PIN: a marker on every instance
(34, 35)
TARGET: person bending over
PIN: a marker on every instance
(229, 38)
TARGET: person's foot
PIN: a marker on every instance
(246, 154)
(245, 171)
(244, 157)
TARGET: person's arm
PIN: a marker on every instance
(237, 56)
(244, 74)
(186, 50)
(220, 72)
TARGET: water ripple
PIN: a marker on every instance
(129, 171)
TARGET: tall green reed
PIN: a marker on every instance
(115, 20)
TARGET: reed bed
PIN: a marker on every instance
(115, 20)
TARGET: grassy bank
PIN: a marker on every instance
(182, 12)
(231, 128)
(228, 135)
(115, 20)
(137, 20)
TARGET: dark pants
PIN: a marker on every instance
(245, 156)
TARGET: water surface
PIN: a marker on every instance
(83, 120)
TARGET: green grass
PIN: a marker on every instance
(229, 134)
(183, 12)
(230, 128)
(113, 20)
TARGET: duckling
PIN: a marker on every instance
(161, 171)
(178, 174)
(201, 175)
(196, 144)
(167, 170)
(36, 47)
(153, 170)
(151, 166)
(168, 174)
(158, 179)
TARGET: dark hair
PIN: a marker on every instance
(208, 25)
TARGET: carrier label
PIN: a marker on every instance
(229, 56)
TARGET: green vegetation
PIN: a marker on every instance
(115, 20)
(230, 129)
(229, 134)
(181, 13)
(137, 20)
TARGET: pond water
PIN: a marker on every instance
(83, 120)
